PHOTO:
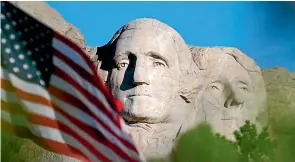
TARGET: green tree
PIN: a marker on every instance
(201, 145)
(254, 146)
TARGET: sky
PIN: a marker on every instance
(265, 31)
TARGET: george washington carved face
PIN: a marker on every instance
(145, 77)
(151, 69)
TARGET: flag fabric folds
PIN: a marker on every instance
(51, 94)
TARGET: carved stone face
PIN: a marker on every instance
(146, 75)
(230, 95)
(153, 75)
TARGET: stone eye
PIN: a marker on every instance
(159, 64)
(214, 88)
(245, 89)
(122, 65)
(243, 86)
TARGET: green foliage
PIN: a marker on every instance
(254, 146)
(200, 144)
(251, 145)
(10, 147)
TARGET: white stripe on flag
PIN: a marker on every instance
(48, 112)
(62, 137)
(18, 120)
(25, 86)
(61, 84)
(70, 53)
(47, 132)
(85, 84)
(9, 96)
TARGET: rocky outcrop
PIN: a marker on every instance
(280, 87)
(91, 51)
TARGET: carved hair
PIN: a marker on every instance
(188, 83)
(202, 54)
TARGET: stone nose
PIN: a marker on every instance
(141, 75)
(232, 100)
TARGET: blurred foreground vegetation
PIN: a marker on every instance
(10, 148)
(202, 145)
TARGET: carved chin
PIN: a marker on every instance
(133, 118)
(226, 122)
(152, 140)
(144, 112)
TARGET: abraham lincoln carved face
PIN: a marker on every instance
(151, 66)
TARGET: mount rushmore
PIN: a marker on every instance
(168, 87)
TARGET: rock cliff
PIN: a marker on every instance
(280, 88)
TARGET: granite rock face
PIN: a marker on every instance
(91, 51)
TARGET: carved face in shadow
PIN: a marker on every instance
(228, 97)
(145, 77)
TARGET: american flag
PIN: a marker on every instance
(51, 94)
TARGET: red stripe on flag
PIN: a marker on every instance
(53, 123)
(13, 108)
(6, 85)
(87, 129)
(58, 125)
(42, 120)
(77, 68)
(95, 101)
(49, 145)
(87, 77)
(90, 78)
(95, 134)
(73, 46)
(112, 100)
(37, 119)
(71, 100)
